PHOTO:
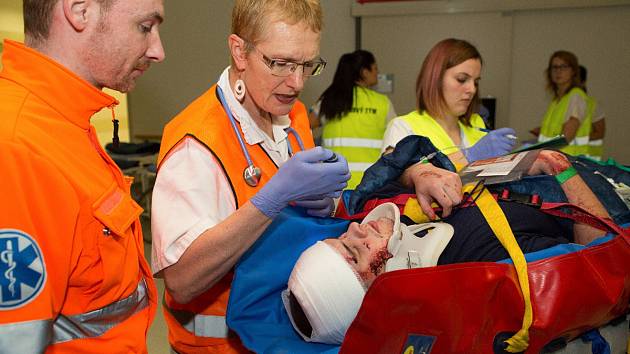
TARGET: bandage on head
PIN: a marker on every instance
(328, 293)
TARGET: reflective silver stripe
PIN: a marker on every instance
(354, 142)
(577, 141)
(543, 138)
(358, 166)
(597, 142)
(201, 325)
(580, 140)
(97, 322)
(25, 337)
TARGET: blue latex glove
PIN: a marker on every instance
(495, 143)
(303, 177)
(322, 207)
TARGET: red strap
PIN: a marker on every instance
(578, 214)
(400, 200)
(583, 216)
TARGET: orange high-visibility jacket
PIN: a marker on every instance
(73, 278)
(205, 120)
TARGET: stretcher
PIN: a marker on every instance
(576, 292)
(459, 308)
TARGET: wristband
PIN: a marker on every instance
(566, 174)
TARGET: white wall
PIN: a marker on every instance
(338, 38)
(195, 39)
(515, 40)
(600, 38)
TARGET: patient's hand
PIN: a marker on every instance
(549, 162)
(433, 184)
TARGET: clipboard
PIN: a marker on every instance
(554, 143)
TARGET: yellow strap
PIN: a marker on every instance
(498, 223)
(501, 228)
(414, 212)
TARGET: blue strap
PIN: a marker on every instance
(599, 344)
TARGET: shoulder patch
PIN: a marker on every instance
(22, 269)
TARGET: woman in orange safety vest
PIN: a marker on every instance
(231, 161)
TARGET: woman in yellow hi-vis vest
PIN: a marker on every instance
(354, 117)
(447, 97)
(569, 112)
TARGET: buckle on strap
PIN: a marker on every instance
(533, 200)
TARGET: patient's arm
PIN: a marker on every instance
(577, 192)
(433, 184)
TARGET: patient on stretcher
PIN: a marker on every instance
(329, 280)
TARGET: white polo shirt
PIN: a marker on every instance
(192, 193)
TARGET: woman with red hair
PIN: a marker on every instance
(447, 97)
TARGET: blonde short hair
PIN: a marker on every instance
(251, 17)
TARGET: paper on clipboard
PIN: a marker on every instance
(501, 165)
(499, 169)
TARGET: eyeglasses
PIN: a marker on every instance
(283, 68)
(560, 67)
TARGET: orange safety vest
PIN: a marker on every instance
(73, 277)
(206, 120)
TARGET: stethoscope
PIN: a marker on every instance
(252, 173)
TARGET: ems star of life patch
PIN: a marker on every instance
(418, 344)
(22, 269)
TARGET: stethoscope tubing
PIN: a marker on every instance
(238, 135)
(234, 127)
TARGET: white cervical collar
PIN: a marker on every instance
(408, 250)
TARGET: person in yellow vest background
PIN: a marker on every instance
(73, 276)
(569, 112)
(231, 161)
(447, 93)
(598, 125)
(354, 117)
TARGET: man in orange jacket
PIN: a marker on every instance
(73, 278)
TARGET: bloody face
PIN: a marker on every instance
(364, 247)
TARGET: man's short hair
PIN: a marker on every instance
(250, 17)
(38, 17)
